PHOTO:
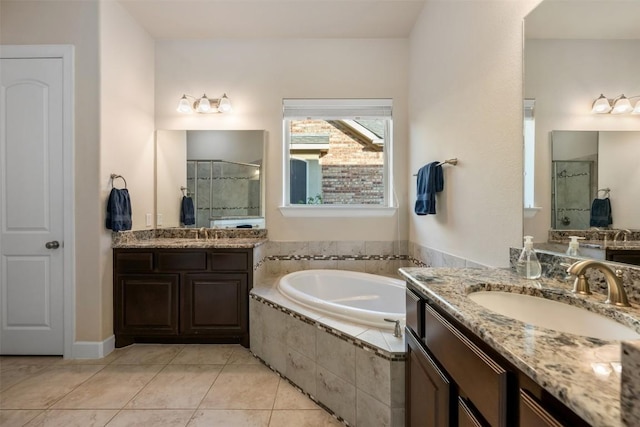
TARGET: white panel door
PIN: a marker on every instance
(31, 208)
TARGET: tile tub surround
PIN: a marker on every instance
(422, 256)
(630, 398)
(552, 267)
(561, 363)
(354, 371)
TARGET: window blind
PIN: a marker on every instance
(336, 108)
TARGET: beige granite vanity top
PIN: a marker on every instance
(188, 238)
(192, 243)
(561, 363)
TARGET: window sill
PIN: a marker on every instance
(531, 212)
(336, 211)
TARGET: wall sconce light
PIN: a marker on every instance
(618, 105)
(204, 105)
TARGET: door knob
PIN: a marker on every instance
(54, 244)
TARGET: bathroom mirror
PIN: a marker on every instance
(222, 172)
(574, 51)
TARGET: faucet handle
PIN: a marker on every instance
(397, 330)
(581, 285)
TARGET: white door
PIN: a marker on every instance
(31, 206)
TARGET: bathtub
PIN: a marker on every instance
(362, 298)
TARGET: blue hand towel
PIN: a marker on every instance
(430, 182)
(119, 210)
(187, 212)
(601, 213)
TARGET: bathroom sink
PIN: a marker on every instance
(553, 315)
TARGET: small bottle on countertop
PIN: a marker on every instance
(528, 265)
(573, 246)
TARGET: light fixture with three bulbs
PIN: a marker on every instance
(618, 105)
(204, 104)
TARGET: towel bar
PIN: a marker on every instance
(452, 162)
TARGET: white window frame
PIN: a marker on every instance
(529, 136)
(344, 109)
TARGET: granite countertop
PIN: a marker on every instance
(561, 363)
(164, 242)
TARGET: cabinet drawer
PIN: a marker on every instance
(532, 414)
(478, 376)
(415, 313)
(133, 262)
(182, 261)
(229, 261)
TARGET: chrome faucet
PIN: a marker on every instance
(616, 294)
(202, 232)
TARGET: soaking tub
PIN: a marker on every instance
(362, 298)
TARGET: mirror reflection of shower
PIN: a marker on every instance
(573, 193)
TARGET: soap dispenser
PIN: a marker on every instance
(528, 265)
(573, 246)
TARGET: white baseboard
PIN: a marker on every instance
(93, 349)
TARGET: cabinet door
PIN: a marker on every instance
(215, 303)
(466, 415)
(532, 414)
(146, 304)
(427, 389)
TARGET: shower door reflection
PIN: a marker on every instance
(573, 192)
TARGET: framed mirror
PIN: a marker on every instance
(574, 51)
(220, 171)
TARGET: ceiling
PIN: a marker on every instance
(206, 19)
(584, 19)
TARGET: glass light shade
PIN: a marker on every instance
(636, 110)
(601, 105)
(204, 106)
(224, 105)
(622, 106)
(184, 106)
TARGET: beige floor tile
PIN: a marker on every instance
(242, 356)
(103, 361)
(13, 374)
(147, 354)
(46, 387)
(152, 418)
(303, 418)
(242, 387)
(226, 418)
(203, 354)
(111, 388)
(73, 418)
(288, 397)
(17, 417)
(29, 360)
(177, 387)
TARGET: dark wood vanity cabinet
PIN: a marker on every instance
(182, 295)
(627, 256)
(455, 379)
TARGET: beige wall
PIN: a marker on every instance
(565, 77)
(257, 75)
(126, 129)
(171, 161)
(76, 23)
(466, 101)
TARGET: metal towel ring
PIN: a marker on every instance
(114, 176)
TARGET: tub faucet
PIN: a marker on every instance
(616, 294)
(624, 233)
(397, 330)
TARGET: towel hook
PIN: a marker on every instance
(115, 176)
(605, 190)
(185, 191)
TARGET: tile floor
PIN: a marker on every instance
(153, 385)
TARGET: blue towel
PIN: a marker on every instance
(119, 210)
(187, 212)
(601, 213)
(430, 182)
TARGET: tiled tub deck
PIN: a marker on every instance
(354, 371)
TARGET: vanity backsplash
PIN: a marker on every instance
(555, 266)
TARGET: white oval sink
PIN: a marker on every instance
(553, 315)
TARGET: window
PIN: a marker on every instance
(337, 154)
(529, 133)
